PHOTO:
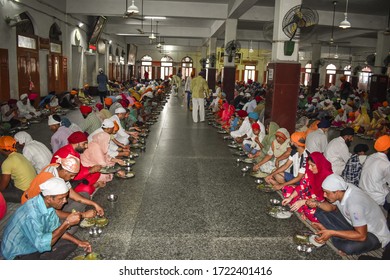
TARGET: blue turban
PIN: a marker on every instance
(324, 123)
(253, 115)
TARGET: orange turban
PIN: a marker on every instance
(8, 143)
(351, 114)
(73, 92)
(385, 103)
(108, 101)
(382, 143)
(340, 110)
(116, 126)
(298, 138)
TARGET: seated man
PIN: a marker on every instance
(87, 179)
(375, 176)
(295, 164)
(61, 133)
(9, 113)
(26, 110)
(354, 166)
(337, 151)
(91, 120)
(17, 171)
(35, 232)
(358, 226)
(35, 152)
(66, 169)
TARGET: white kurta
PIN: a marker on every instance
(38, 154)
(121, 134)
(25, 110)
(338, 154)
(374, 176)
(316, 141)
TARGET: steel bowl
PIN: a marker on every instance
(259, 181)
(112, 197)
(127, 168)
(275, 201)
(305, 249)
(245, 169)
(95, 231)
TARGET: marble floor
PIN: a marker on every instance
(189, 200)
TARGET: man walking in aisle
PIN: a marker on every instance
(200, 90)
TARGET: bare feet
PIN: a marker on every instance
(100, 184)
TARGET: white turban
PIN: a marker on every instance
(52, 121)
(247, 94)
(23, 137)
(119, 97)
(54, 186)
(334, 183)
(343, 101)
(107, 123)
(23, 96)
(120, 110)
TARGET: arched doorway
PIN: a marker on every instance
(27, 57)
(187, 67)
(330, 77)
(57, 64)
(146, 66)
(166, 66)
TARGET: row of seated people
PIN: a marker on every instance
(55, 200)
(321, 180)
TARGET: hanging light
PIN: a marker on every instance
(345, 23)
(132, 9)
(152, 36)
(251, 48)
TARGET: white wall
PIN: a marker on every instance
(42, 21)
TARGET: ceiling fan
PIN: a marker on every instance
(331, 40)
(131, 11)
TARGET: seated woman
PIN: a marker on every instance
(277, 154)
(377, 126)
(362, 121)
(97, 153)
(317, 169)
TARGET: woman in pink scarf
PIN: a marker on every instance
(227, 113)
(310, 187)
(97, 152)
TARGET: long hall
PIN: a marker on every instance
(189, 200)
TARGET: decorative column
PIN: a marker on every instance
(229, 68)
(283, 74)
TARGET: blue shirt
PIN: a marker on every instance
(30, 229)
(102, 82)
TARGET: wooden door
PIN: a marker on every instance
(4, 76)
(28, 71)
(111, 71)
(63, 73)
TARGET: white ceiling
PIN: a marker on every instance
(193, 22)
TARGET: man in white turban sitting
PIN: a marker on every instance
(350, 218)
(34, 231)
(36, 152)
(26, 110)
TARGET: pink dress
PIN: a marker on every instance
(97, 153)
(310, 185)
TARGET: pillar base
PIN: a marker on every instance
(282, 96)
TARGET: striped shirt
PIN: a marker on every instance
(91, 123)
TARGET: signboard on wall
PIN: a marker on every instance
(44, 43)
